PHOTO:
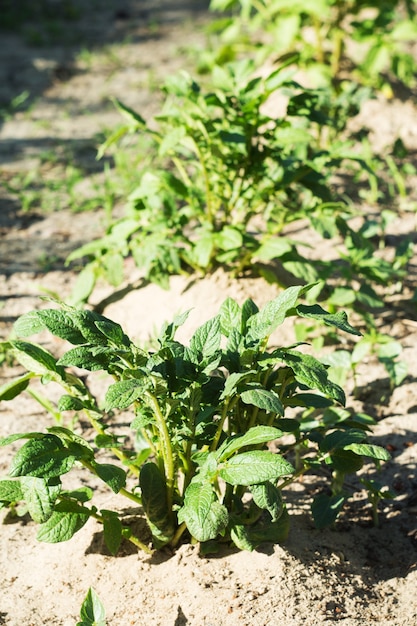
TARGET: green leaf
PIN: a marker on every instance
(206, 340)
(112, 530)
(67, 518)
(28, 324)
(112, 475)
(254, 436)
(91, 358)
(92, 610)
(229, 314)
(40, 497)
(10, 491)
(70, 403)
(202, 512)
(62, 324)
(339, 319)
(43, 458)
(114, 332)
(273, 313)
(232, 382)
(122, 394)
(345, 461)
(268, 496)
(341, 438)
(154, 501)
(263, 399)
(325, 509)
(8, 391)
(256, 466)
(250, 537)
(310, 372)
(369, 450)
(34, 358)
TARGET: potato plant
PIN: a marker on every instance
(318, 33)
(227, 177)
(214, 447)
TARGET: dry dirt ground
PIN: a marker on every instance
(354, 573)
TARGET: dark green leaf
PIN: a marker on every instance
(40, 497)
(254, 436)
(202, 512)
(64, 522)
(112, 475)
(263, 399)
(123, 394)
(345, 461)
(268, 496)
(43, 458)
(8, 391)
(339, 319)
(310, 372)
(341, 438)
(257, 466)
(114, 332)
(112, 530)
(325, 509)
(154, 501)
(87, 357)
(62, 324)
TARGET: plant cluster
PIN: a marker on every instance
(225, 178)
(214, 446)
(333, 40)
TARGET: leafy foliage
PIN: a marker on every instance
(214, 448)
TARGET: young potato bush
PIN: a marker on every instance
(318, 33)
(227, 176)
(214, 447)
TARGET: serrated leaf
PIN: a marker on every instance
(262, 324)
(339, 319)
(369, 450)
(256, 466)
(40, 497)
(62, 324)
(112, 531)
(112, 475)
(205, 342)
(11, 390)
(202, 512)
(89, 358)
(92, 610)
(114, 332)
(154, 502)
(64, 522)
(263, 399)
(254, 436)
(229, 314)
(43, 458)
(10, 491)
(268, 496)
(122, 394)
(325, 509)
(310, 372)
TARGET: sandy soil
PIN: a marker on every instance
(354, 573)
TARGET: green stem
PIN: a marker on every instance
(178, 534)
(166, 450)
